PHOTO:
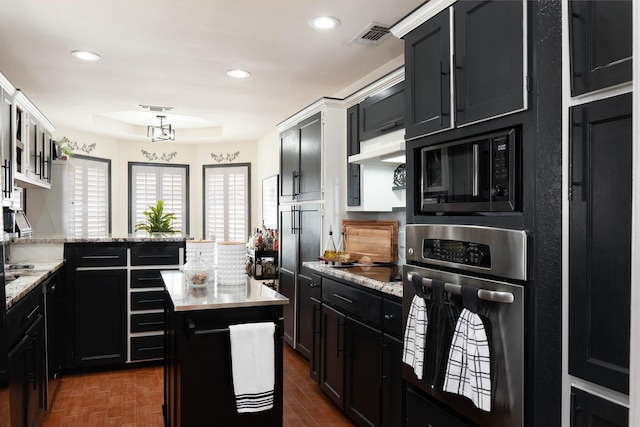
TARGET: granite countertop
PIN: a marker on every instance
(212, 297)
(391, 288)
(27, 279)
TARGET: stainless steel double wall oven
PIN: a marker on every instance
(493, 263)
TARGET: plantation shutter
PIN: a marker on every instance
(226, 204)
(151, 183)
(89, 198)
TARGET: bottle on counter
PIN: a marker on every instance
(343, 252)
(330, 251)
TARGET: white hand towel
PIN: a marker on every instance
(415, 335)
(253, 365)
(469, 365)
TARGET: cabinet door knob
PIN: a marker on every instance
(313, 285)
(388, 316)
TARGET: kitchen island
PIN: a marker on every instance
(198, 365)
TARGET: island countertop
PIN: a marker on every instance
(212, 296)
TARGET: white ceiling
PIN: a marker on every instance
(176, 53)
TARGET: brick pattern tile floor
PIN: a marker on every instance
(133, 398)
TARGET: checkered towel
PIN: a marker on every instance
(469, 364)
(415, 333)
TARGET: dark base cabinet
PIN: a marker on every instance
(357, 352)
(27, 376)
(100, 318)
(590, 410)
(198, 379)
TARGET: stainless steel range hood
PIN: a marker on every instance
(389, 149)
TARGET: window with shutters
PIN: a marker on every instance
(226, 202)
(150, 182)
(90, 197)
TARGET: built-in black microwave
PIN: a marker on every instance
(473, 175)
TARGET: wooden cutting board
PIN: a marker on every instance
(377, 239)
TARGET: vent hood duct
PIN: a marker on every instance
(385, 149)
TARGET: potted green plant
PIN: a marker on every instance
(157, 222)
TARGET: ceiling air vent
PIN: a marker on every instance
(373, 34)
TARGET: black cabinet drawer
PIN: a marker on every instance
(150, 254)
(99, 256)
(23, 314)
(146, 348)
(147, 278)
(392, 317)
(147, 322)
(152, 300)
(422, 412)
(362, 304)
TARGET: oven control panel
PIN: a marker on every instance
(467, 253)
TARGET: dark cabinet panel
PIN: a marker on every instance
(100, 317)
(351, 300)
(309, 176)
(146, 279)
(147, 348)
(382, 113)
(309, 230)
(600, 35)
(27, 376)
(289, 163)
(600, 211)
(428, 77)
(362, 373)
(332, 355)
(306, 306)
(287, 285)
(300, 161)
(353, 147)
(593, 411)
(488, 69)
(488, 59)
(315, 361)
(392, 384)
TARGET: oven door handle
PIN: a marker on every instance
(476, 170)
(483, 294)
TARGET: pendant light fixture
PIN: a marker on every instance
(162, 132)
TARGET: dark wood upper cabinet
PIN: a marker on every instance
(489, 59)
(488, 70)
(300, 164)
(427, 77)
(382, 113)
(600, 209)
(600, 44)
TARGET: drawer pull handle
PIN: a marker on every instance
(345, 299)
(150, 323)
(100, 257)
(147, 301)
(34, 311)
(154, 256)
(388, 316)
(313, 285)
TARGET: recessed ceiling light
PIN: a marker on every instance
(238, 74)
(324, 22)
(85, 56)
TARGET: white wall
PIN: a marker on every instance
(121, 152)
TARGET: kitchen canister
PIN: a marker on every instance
(231, 260)
(206, 249)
